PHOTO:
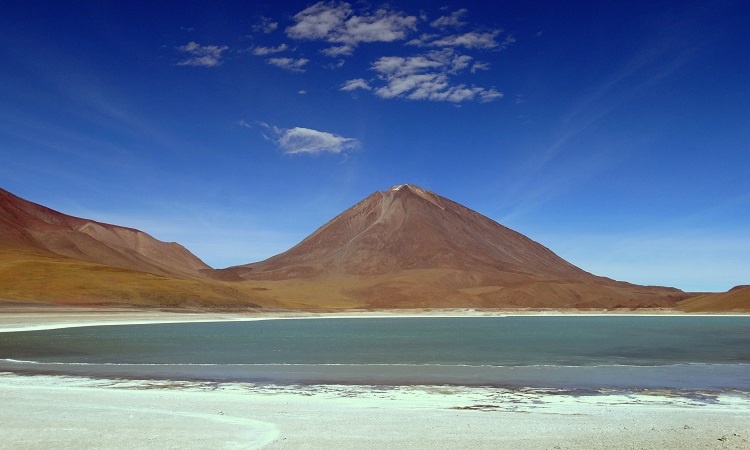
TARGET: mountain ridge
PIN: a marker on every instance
(27, 224)
(405, 247)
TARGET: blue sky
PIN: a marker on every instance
(615, 133)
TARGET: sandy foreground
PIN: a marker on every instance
(71, 412)
(61, 412)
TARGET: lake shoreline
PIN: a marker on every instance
(32, 318)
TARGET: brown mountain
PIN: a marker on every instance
(50, 257)
(409, 247)
(736, 299)
(27, 225)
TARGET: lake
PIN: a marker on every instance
(576, 353)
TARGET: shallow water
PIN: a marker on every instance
(571, 352)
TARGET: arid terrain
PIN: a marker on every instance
(401, 248)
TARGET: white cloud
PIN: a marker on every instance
(262, 51)
(337, 65)
(291, 64)
(428, 77)
(201, 55)
(473, 39)
(319, 21)
(489, 95)
(480, 66)
(383, 26)
(305, 140)
(340, 27)
(401, 85)
(510, 39)
(451, 20)
(338, 50)
(460, 62)
(266, 26)
(393, 66)
(358, 83)
(302, 92)
(434, 87)
(336, 23)
(423, 40)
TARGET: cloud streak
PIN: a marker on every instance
(300, 140)
(262, 51)
(265, 25)
(471, 40)
(290, 64)
(357, 83)
(452, 20)
(201, 55)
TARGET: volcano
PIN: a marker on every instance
(409, 247)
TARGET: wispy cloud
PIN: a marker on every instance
(299, 140)
(265, 25)
(477, 66)
(471, 40)
(201, 55)
(357, 83)
(648, 67)
(428, 77)
(291, 64)
(452, 20)
(337, 24)
(263, 51)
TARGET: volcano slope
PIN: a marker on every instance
(410, 248)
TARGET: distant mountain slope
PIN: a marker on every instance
(41, 277)
(52, 258)
(736, 299)
(409, 247)
(24, 224)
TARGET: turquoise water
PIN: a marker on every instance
(571, 352)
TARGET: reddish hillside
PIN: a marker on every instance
(27, 225)
(736, 299)
(408, 247)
